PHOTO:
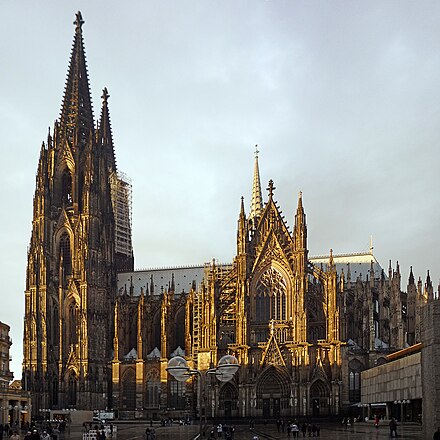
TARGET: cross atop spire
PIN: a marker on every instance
(78, 22)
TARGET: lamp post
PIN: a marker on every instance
(226, 368)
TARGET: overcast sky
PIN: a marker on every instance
(342, 97)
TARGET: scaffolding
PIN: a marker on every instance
(121, 194)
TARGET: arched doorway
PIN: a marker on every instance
(72, 389)
(228, 399)
(320, 399)
(272, 393)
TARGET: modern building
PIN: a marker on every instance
(15, 404)
(98, 334)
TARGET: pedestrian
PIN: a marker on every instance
(219, 430)
(436, 434)
(376, 422)
(393, 427)
(147, 433)
(304, 429)
(15, 436)
(295, 430)
(318, 430)
(309, 429)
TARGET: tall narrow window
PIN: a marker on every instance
(73, 324)
(66, 258)
(67, 189)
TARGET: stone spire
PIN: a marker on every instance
(76, 119)
(105, 136)
(257, 198)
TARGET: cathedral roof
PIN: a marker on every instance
(162, 279)
(358, 263)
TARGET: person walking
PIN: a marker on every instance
(436, 434)
(376, 422)
(393, 427)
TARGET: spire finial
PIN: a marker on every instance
(256, 151)
(78, 22)
(270, 188)
(105, 95)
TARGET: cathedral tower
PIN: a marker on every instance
(71, 269)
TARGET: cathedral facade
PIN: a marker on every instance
(98, 335)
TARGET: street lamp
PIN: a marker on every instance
(226, 368)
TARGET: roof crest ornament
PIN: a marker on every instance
(270, 188)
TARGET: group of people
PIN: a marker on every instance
(45, 431)
(221, 430)
(150, 433)
(295, 428)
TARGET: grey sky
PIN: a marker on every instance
(343, 98)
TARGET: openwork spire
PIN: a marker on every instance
(105, 137)
(257, 199)
(76, 120)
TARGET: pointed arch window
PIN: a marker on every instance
(73, 323)
(66, 184)
(152, 391)
(65, 258)
(270, 300)
(129, 390)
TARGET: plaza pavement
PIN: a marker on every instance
(335, 431)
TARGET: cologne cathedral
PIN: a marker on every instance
(98, 334)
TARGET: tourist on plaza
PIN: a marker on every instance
(15, 436)
(304, 429)
(309, 429)
(35, 435)
(219, 430)
(45, 436)
(295, 430)
(318, 430)
(393, 427)
(376, 421)
(436, 434)
(1, 431)
(28, 436)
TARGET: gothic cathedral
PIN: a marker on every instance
(98, 334)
